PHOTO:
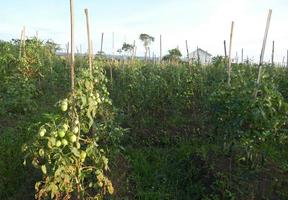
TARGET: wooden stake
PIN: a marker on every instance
(92, 52)
(101, 50)
(230, 49)
(287, 59)
(198, 57)
(149, 53)
(24, 39)
(242, 52)
(187, 49)
(225, 52)
(89, 40)
(72, 45)
(20, 44)
(272, 57)
(67, 52)
(113, 47)
(160, 58)
(133, 53)
(263, 47)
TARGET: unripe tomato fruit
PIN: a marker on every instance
(42, 132)
(64, 142)
(58, 143)
(61, 133)
(73, 138)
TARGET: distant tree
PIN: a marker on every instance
(128, 48)
(174, 55)
(147, 40)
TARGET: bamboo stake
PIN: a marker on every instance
(160, 58)
(24, 40)
(242, 52)
(225, 52)
(113, 46)
(89, 40)
(20, 44)
(187, 49)
(287, 59)
(263, 47)
(198, 57)
(92, 52)
(133, 53)
(149, 53)
(72, 45)
(272, 57)
(37, 38)
(101, 50)
(230, 49)
(67, 52)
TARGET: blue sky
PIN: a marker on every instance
(204, 23)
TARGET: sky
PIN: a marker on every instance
(203, 23)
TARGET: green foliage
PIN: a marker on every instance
(174, 55)
(70, 149)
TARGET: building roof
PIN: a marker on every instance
(201, 50)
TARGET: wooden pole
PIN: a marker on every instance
(133, 53)
(102, 37)
(287, 59)
(89, 40)
(37, 38)
(187, 49)
(149, 53)
(24, 39)
(272, 57)
(67, 52)
(263, 47)
(225, 51)
(72, 45)
(20, 44)
(113, 46)
(160, 57)
(198, 57)
(92, 52)
(230, 49)
(242, 58)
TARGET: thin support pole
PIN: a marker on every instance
(72, 45)
(263, 47)
(230, 50)
(89, 40)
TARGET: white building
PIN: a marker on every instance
(204, 56)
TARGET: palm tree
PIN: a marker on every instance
(147, 40)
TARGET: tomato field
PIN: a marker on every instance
(97, 126)
(153, 131)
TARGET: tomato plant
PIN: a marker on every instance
(70, 150)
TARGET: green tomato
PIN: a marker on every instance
(42, 132)
(65, 127)
(41, 153)
(75, 129)
(64, 106)
(83, 155)
(61, 133)
(73, 138)
(76, 122)
(64, 142)
(43, 169)
(58, 143)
